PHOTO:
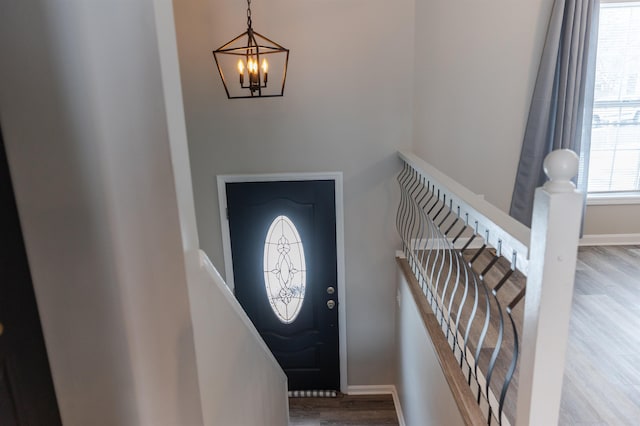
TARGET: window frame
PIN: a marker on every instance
(613, 197)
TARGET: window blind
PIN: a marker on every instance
(614, 164)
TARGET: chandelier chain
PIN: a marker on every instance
(248, 13)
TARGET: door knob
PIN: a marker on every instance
(331, 304)
(331, 290)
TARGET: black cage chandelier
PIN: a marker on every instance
(252, 58)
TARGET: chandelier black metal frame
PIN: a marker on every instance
(252, 66)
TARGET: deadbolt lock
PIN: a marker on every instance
(331, 304)
(331, 290)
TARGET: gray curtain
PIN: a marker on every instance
(564, 86)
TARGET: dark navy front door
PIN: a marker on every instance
(283, 243)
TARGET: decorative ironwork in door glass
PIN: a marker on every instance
(285, 275)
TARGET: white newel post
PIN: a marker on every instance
(555, 228)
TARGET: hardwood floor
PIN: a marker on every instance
(361, 410)
(602, 373)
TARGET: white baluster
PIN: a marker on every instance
(555, 229)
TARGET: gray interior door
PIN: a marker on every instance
(27, 396)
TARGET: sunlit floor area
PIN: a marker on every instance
(602, 374)
(362, 410)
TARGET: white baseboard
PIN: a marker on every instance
(380, 390)
(610, 240)
(396, 403)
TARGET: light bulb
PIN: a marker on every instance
(265, 66)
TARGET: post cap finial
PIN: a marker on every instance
(561, 166)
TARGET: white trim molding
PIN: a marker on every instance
(613, 198)
(610, 240)
(222, 180)
(380, 390)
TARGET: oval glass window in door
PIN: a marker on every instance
(285, 275)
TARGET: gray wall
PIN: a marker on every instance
(241, 383)
(347, 107)
(476, 64)
(451, 79)
(84, 119)
(423, 390)
(613, 219)
(480, 60)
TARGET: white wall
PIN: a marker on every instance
(347, 107)
(423, 391)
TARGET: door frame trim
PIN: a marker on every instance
(222, 180)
